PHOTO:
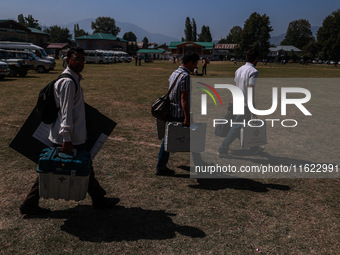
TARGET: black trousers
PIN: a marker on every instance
(95, 190)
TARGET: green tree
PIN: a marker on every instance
(79, 32)
(21, 20)
(222, 41)
(58, 34)
(299, 34)
(194, 30)
(328, 37)
(188, 30)
(28, 21)
(130, 36)
(145, 43)
(205, 35)
(256, 34)
(234, 35)
(105, 25)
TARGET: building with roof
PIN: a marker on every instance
(151, 54)
(203, 49)
(282, 50)
(57, 49)
(11, 30)
(101, 41)
(224, 50)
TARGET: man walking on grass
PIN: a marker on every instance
(245, 77)
(69, 131)
(179, 107)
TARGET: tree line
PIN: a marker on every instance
(255, 33)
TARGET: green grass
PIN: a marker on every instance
(171, 215)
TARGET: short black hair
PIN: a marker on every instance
(252, 55)
(190, 57)
(74, 50)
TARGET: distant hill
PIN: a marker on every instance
(125, 27)
(276, 40)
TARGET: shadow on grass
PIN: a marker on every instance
(232, 183)
(121, 223)
(237, 183)
(266, 158)
(263, 158)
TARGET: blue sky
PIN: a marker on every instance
(168, 17)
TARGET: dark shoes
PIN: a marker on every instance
(223, 154)
(105, 203)
(256, 150)
(33, 210)
(165, 172)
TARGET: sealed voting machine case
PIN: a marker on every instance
(178, 138)
(62, 176)
(251, 136)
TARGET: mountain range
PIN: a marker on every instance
(155, 37)
(125, 27)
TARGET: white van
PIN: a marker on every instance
(123, 56)
(93, 56)
(37, 50)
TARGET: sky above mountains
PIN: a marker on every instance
(168, 17)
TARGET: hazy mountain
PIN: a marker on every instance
(276, 40)
(125, 27)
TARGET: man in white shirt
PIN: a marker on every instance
(245, 77)
(69, 131)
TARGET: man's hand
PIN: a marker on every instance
(67, 148)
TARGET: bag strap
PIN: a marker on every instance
(66, 75)
(174, 83)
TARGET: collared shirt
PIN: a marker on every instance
(182, 84)
(70, 125)
(246, 76)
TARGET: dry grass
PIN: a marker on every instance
(166, 215)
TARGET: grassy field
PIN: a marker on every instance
(172, 215)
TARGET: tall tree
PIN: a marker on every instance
(194, 30)
(130, 36)
(234, 35)
(328, 37)
(299, 34)
(256, 34)
(78, 32)
(58, 34)
(28, 21)
(21, 20)
(188, 30)
(105, 25)
(205, 35)
(145, 42)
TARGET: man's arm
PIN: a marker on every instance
(67, 93)
(185, 105)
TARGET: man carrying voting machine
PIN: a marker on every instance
(67, 134)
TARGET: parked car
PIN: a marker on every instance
(4, 70)
(28, 47)
(17, 66)
(314, 61)
(39, 65)
(332, 62)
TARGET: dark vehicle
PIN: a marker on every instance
(17, 66)
(4, 70)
